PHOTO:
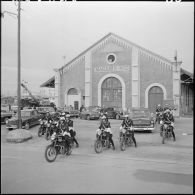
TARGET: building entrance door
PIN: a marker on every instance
(111, 93)
(155, 97)
(73, 98)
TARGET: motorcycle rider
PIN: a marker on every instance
(159, 109)
(127, 122)
(71, 129)
(105, 125)
(63, 128)
(169, 120)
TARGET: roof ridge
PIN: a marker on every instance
(126, 40)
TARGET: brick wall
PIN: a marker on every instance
(73, 78)
(152, 71)
(123, 57)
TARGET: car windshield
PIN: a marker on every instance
(140, 113)
(94, 109)
(50, 109)
(24, 113)
(45, 109)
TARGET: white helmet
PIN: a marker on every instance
(103, 117)
(126, 115)
(68, 116)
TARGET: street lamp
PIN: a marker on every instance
(19, 62)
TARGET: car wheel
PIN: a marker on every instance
(27, 126)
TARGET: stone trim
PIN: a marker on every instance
(153, 85)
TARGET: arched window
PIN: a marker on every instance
(72, 91)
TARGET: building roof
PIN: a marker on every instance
(125, 40)
(186, 76)
(49, 83)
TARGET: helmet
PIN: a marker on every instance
(68, 116)
(63, 114)
(158, 105)
(167, 111)
(103, 117)
(126, 115)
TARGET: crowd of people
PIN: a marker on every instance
(66, 124)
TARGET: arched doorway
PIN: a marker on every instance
(155, 97)
(111, 92)
(73, 98)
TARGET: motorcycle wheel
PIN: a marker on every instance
(69, 151)
(163, 137)
(47, 134)
(122, 144)
(50, 153)
(40, 132)
(98, 146)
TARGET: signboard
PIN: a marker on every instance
(111, 68)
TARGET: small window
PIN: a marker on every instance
(111, 58)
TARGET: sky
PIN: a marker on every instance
(52, 30)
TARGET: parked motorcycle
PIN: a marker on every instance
(166, 131)
(59, 145)
(42, 128)
(102, 141)
(125, 138)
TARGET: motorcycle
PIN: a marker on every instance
(50, 129)
(166, 131)
(159, 116)
(102, 141)
(125, 138)
(42, 128)
(59, 145)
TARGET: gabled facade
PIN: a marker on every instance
(117, 72)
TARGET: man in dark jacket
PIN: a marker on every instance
(71, 129)
(105, 125)
(127, 122)
(169, 120)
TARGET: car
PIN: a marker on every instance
(143, 119)
(44, 109)
(74, 113)
(5, 115)
(91, 112)
(112, 112)
(30, 117)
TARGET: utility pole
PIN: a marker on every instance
(19, 71)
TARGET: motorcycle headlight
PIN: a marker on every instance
(41, 122)
(123, 130)
(161, 122)
(53, 136)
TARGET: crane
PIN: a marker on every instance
(25, 87)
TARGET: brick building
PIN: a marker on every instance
(117, 72)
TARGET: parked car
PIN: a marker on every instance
(143, 119)
(44, 109)
(112, 112)
(74, 113)
(91, 112)
(29, 118)
(5, 116)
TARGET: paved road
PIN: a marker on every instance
(149, 168)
